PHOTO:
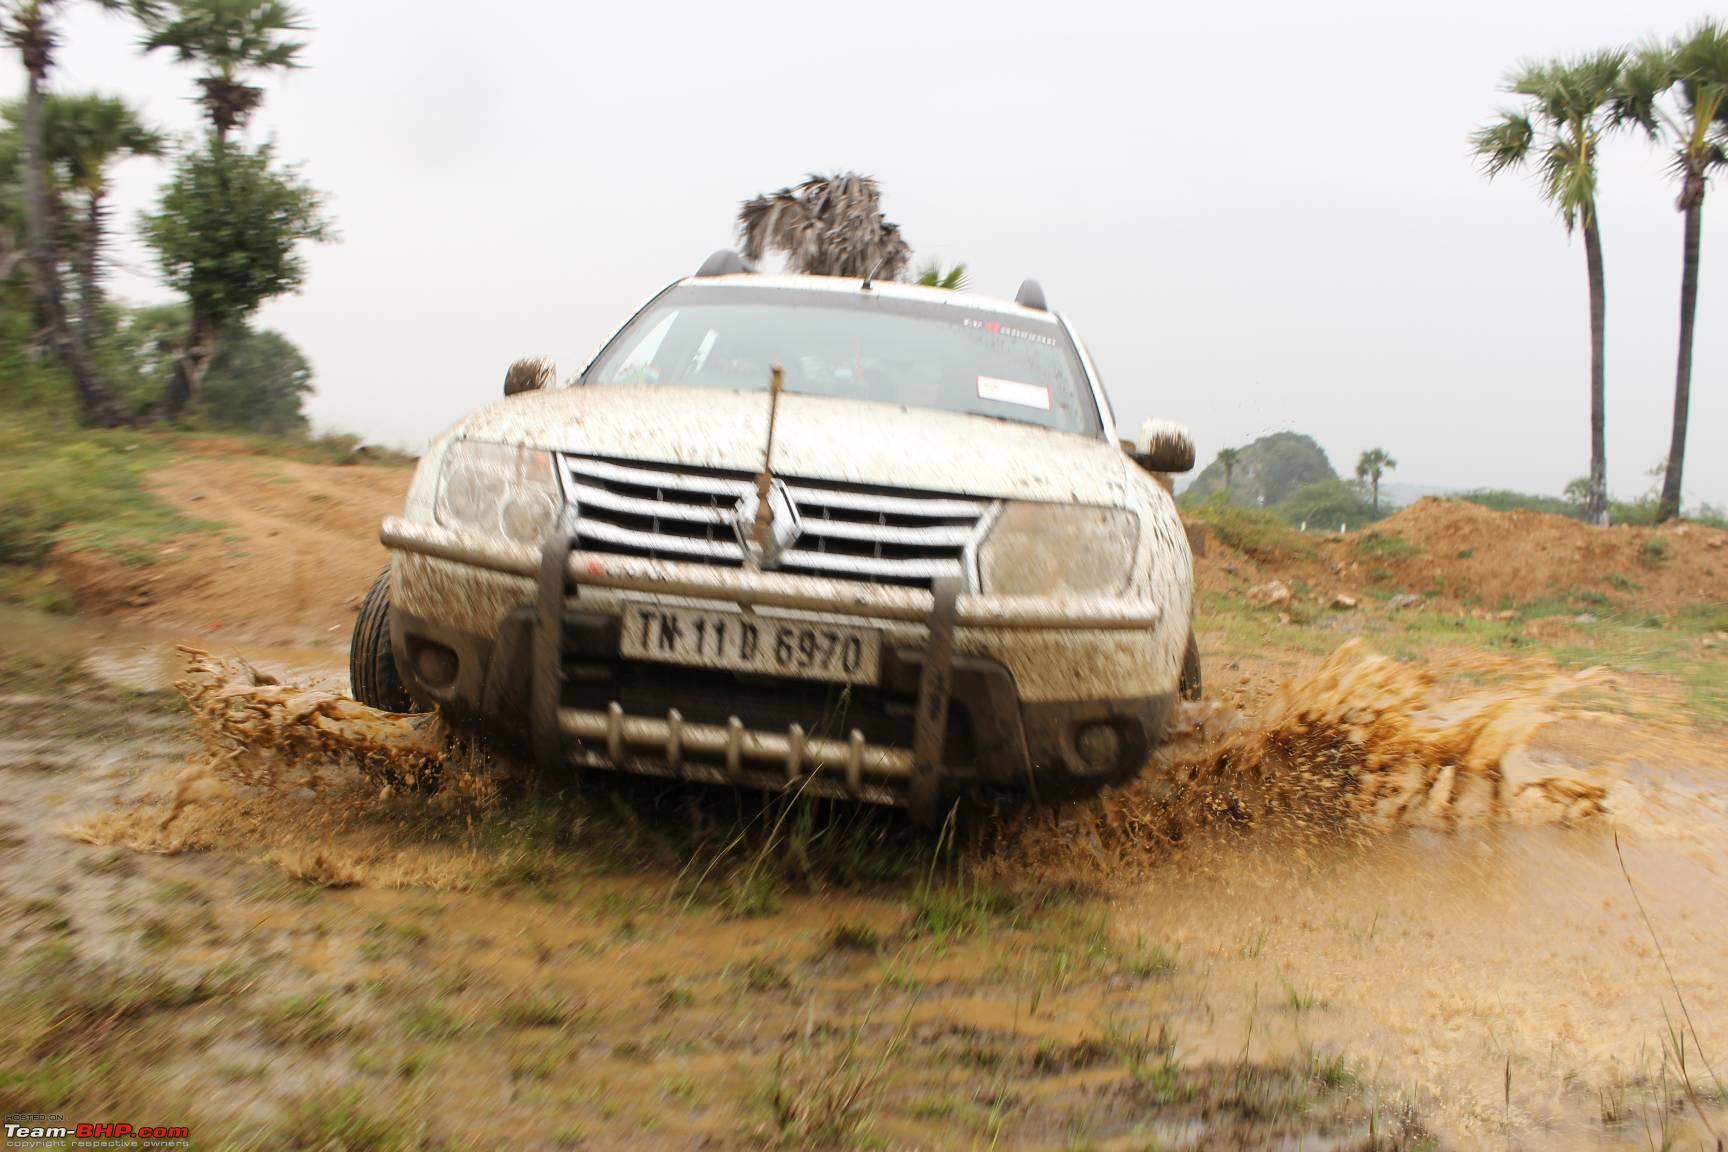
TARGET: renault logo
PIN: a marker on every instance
(782, 525)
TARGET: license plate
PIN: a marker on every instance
(735, 642)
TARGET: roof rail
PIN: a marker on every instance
(1031, 295)
(725, 262)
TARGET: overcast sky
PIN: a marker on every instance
(1262, 215)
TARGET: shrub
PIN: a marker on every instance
(1503, 500)
(1324, 505)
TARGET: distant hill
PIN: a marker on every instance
(1268, 470)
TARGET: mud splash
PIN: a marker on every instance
(254, 727)
(330, 791)
(1360, 746)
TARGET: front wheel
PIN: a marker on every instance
(372, 675)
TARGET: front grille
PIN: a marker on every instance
(846, 531)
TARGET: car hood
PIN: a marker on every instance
(817, 438)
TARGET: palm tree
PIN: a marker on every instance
(86, 136)
(1229, 458)
(1567, 109)
(1370, 466)
(28, 27)
(932, 276)
(826, 226)
(1695, 68)
(230, 39)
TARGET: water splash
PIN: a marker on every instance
(1361, 745)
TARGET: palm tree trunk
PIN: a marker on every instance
(1669, 507)
(90, 274)
(1375, 483)
(95, 402)
(189, 369)
(1596, 508)
(194, 358)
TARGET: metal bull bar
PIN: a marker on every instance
(883, 774)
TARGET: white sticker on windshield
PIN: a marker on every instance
(1014, 392)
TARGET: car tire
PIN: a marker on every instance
(372, 675)
(1190, 686)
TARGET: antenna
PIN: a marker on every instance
(765, 478)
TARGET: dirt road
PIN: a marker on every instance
(292, 548)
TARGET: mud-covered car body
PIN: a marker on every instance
(933, 600)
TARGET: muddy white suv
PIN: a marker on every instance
(860, 539)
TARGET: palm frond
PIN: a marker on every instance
(1701, 68)
(932, 275)
(1564, 90)
(1567, 174)
(1373, 463)
(1505, 143)
(231, 39)
(86, 133)
(1635, 100)
(1569, 105)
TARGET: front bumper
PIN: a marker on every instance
(937, 720)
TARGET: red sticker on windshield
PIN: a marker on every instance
(1014, 392)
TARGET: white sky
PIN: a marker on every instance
(1262, 215)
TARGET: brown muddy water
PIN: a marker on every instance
(1389, 909)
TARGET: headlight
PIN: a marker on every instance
(1055, 549)
(497, 488)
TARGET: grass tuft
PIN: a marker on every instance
(536, 1010)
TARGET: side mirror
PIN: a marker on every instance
(529, 375)
(1163, 447)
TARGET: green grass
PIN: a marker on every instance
(1249, 628)
(430, 1022)
(304, 1021)
(1376, 545)
(532, 1010)
(343, 1120)
(83, 490)
(64, 1026)
(962, 908)
(851, 937)
(761, 975)
(1502, 500)
(1258, 534)
(1669, 652)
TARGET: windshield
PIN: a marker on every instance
(858, 346)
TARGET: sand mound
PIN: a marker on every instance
(1520, 556)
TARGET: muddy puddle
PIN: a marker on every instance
(1456, 910)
